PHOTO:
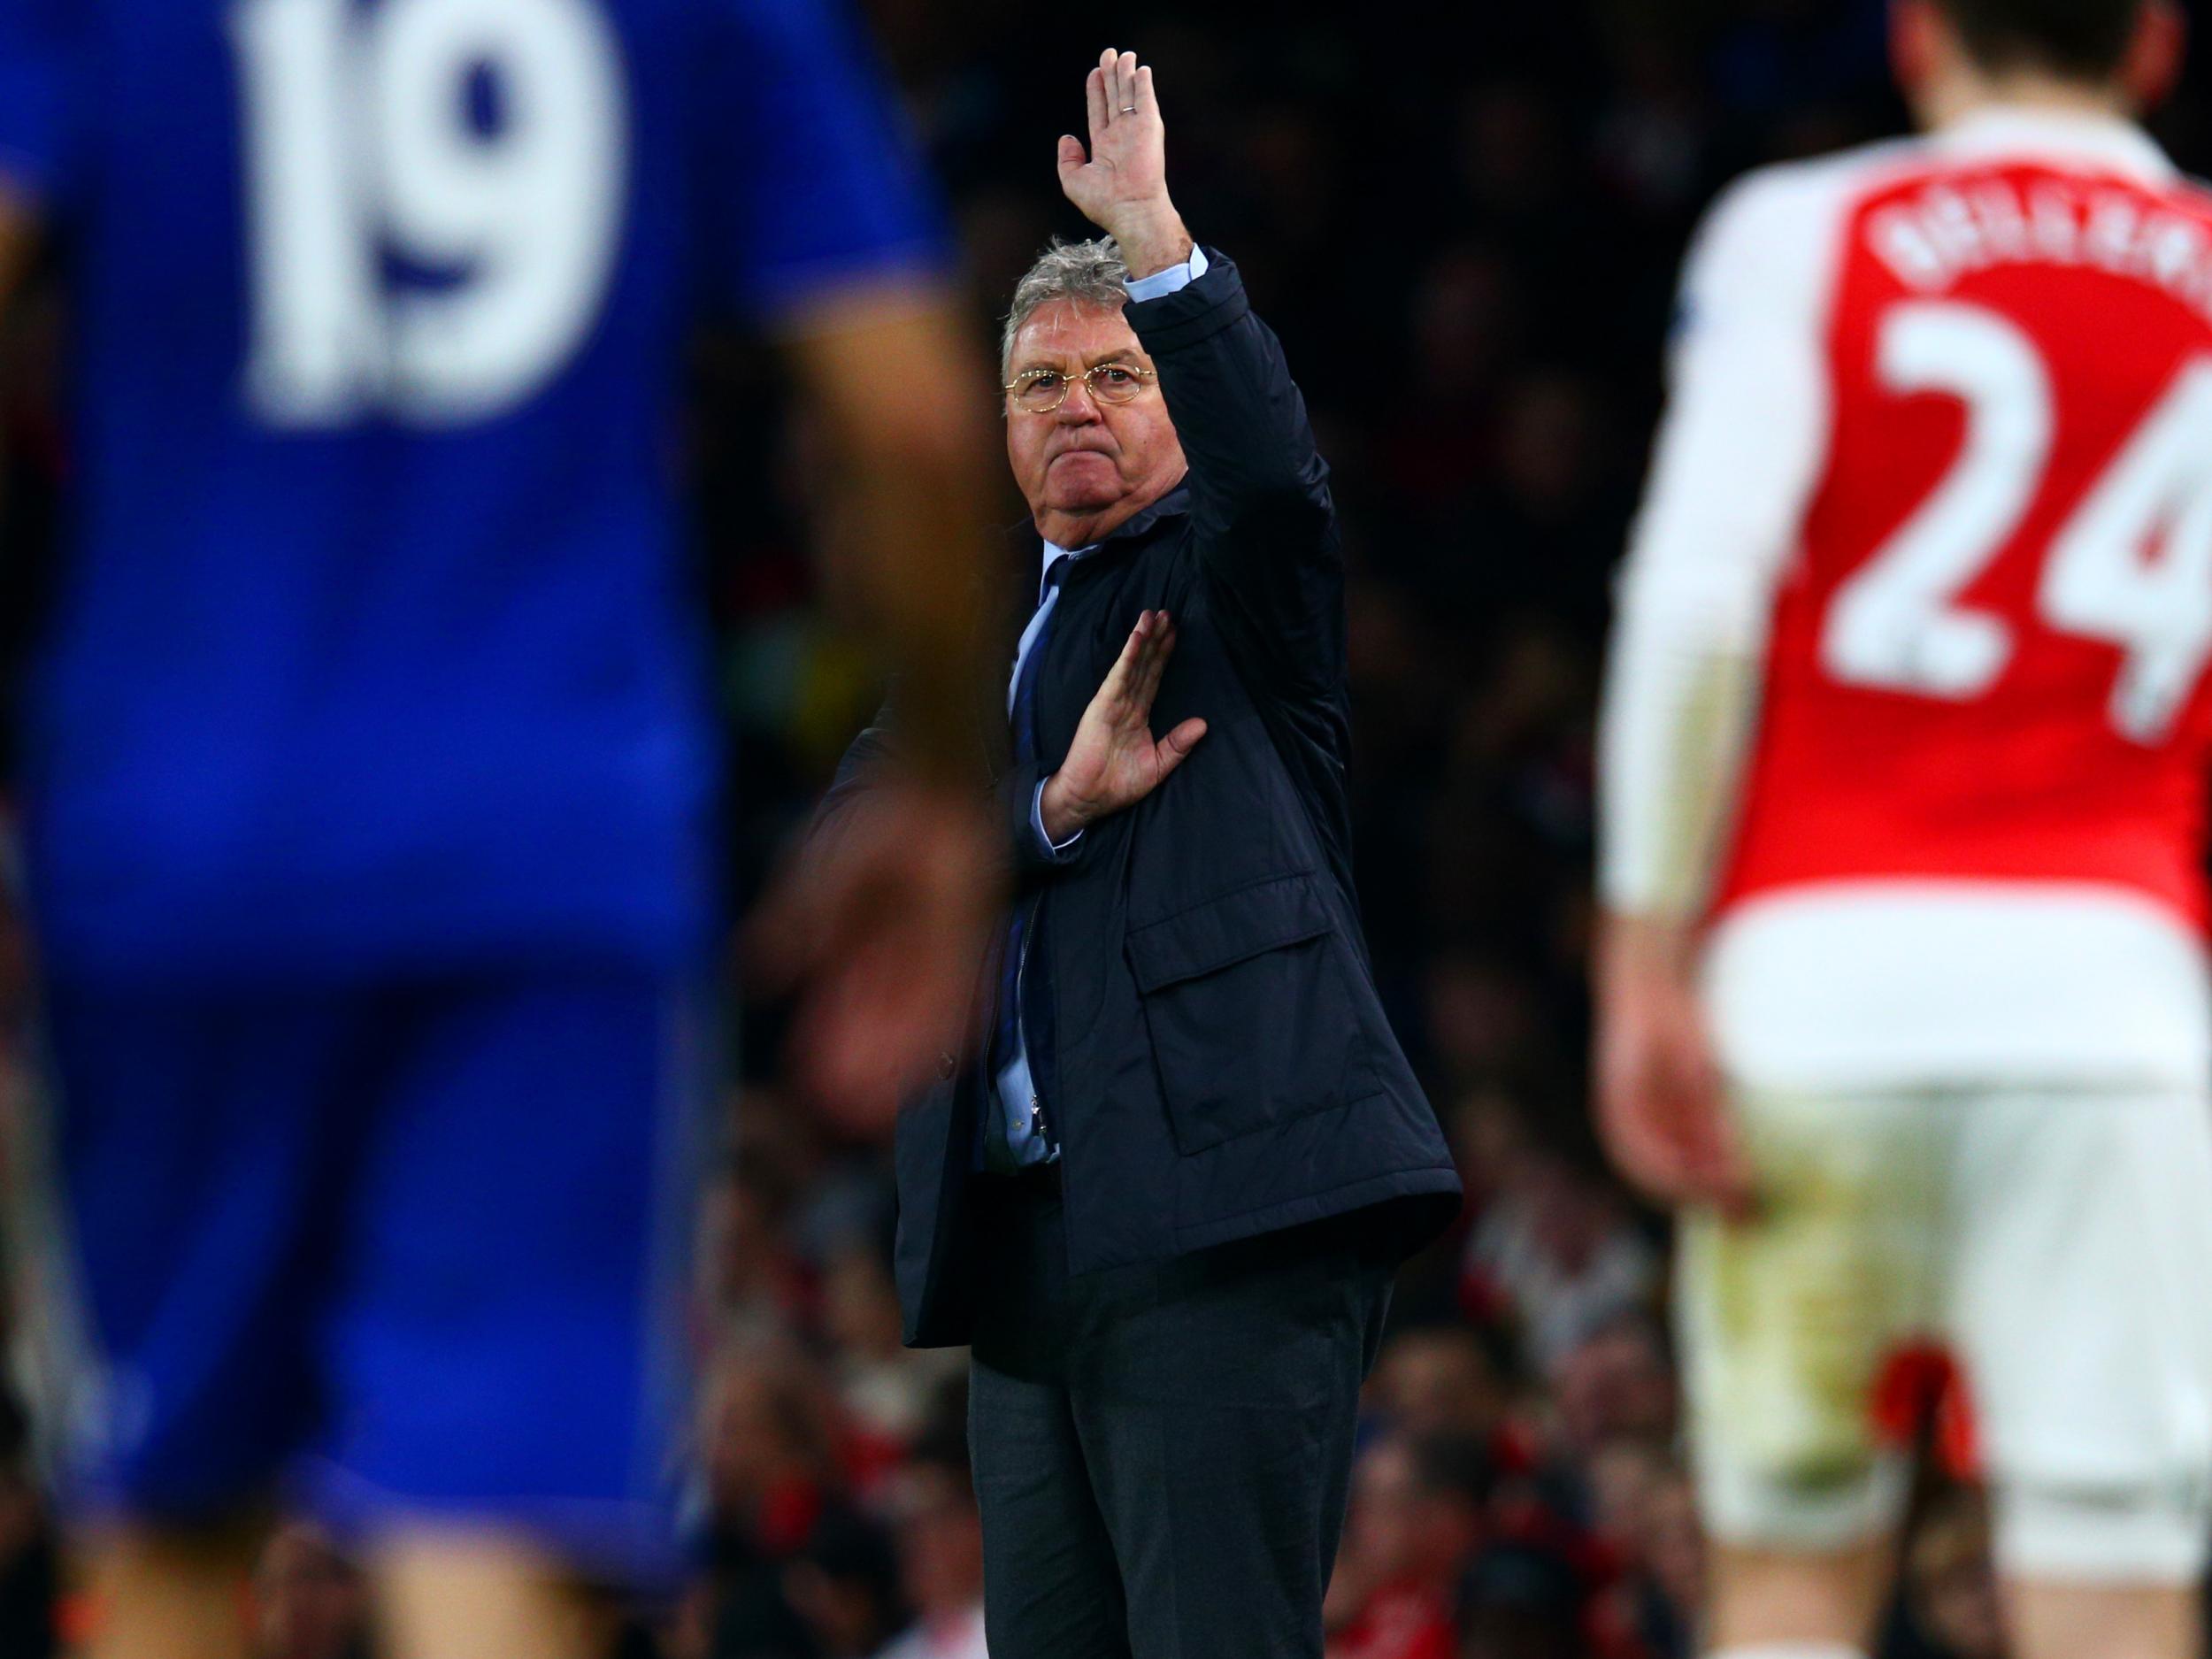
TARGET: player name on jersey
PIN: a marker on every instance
(1945, 231)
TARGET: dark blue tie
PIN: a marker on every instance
(1021, 1009)
(1024, 713)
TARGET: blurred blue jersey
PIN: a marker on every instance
(375, 649)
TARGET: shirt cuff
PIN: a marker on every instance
(1175, 278)
(1058, 852)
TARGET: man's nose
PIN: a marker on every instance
(1078, 408)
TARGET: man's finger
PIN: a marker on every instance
(1118, 693)
(1643, 1159)
(1147, 101)
(1145, 683)
(1175, 748)
(1724, 1169)
(1155, 631)
(1649, 1134)
(1125, 84)
(1095, 100)
(1658, 1172)
(1699, 1118)
(1072, 157)
(1155, 663)
(1703, 1162)
(1123, 674)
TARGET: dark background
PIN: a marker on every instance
(1465, 223)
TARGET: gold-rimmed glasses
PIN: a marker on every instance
(1041, 391)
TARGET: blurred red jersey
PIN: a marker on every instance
(1988, 658)
(1941, 454)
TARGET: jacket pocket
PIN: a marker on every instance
(1247, 1001)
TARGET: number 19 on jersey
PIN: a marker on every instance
(436, 199)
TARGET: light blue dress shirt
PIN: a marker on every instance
(1017, 1088)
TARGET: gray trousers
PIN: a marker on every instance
(1162, 1453)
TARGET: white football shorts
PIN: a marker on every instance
(2056, 1246)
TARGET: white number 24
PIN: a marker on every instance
(360, 143)
(2132, 567)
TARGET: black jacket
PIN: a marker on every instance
(1222, 1065)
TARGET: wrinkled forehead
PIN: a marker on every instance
(1071, 335)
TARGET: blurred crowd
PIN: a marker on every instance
(1465, 223)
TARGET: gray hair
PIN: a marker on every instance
(1088, 272)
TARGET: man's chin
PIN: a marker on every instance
(1083, 472)
(1077, 503)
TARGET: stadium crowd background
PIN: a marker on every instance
(1465, 223)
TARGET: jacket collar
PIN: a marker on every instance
(1174, 504)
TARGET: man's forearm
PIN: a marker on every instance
(1152, 240)
(1674, 735)
(915, 517)
(1642, 949)
(912, 512)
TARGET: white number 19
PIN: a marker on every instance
(360, 142)
(2132, 567)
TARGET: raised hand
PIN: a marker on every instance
(1120, 183)
(1113, 762)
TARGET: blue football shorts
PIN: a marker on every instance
(406, 1257)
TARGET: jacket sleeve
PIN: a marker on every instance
(1261, 507)
(1035, 857)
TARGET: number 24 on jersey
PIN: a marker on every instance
(2131, 566)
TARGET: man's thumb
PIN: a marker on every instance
(1072, 154)
(1175, 748)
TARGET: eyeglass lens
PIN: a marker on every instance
(1044, 391)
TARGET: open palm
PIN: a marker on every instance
(1126, 168)
(1114, 763)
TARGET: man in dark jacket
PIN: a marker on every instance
(1164, 1198)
